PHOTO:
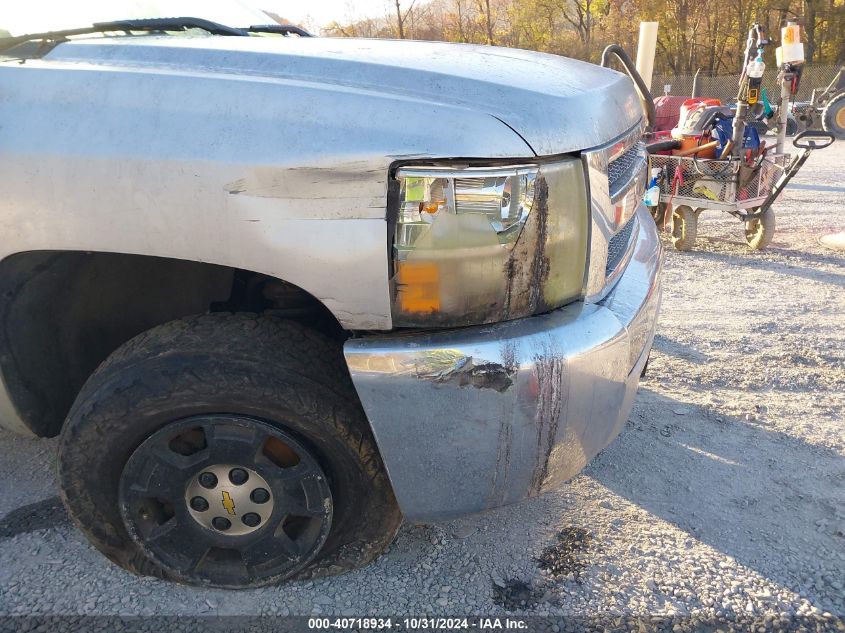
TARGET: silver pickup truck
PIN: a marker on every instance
(277, 293)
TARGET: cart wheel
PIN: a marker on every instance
(760, 231)
(833, 116)
(684, 228)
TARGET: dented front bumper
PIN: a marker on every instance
(480, 417)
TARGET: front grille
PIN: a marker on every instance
(618, 246)
(617, 175)
(622, 169)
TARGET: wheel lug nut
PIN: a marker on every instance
(238, 476)
(221, 524)
(199, 504)
(251, 519)
(208, 480)
(260, 495)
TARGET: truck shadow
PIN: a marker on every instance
(41, 515)
(773, 502)
(671, 347)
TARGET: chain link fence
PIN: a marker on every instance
(724, 87)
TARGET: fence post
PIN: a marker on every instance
(646, 50)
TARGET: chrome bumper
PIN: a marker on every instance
(481, 417)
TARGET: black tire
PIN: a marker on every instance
(791, 126)
(275, 372)
(833, 116)
(684, 227)
(760, 231)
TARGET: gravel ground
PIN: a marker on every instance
(722, 501)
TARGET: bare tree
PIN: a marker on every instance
(401, 18)
(706, 34)
(810, 9)
(583, 16)
(459, 5)
(484, 8)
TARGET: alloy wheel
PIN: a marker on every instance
(226, 500)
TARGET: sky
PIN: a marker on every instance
(32, 16)
(320, 12)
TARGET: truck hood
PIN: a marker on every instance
(555, 104)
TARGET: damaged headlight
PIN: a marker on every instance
(486, 244)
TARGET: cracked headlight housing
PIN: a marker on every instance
(477, 245)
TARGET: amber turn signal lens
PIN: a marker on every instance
(418, 287)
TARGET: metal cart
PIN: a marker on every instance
(690, 185)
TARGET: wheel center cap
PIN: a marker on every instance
(229, 499)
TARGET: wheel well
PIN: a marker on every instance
(63, 313)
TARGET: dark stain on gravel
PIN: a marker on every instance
(564, 556)
(41, 515)
(515, 594)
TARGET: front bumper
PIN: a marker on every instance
(480, 417)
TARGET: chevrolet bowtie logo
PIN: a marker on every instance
(228, 503)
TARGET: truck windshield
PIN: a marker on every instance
(38, 16)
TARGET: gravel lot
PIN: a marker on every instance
(723, 500)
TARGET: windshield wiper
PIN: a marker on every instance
(149, 25)
(281, 29)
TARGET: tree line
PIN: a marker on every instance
(709, 35)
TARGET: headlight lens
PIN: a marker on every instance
(480, 244)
